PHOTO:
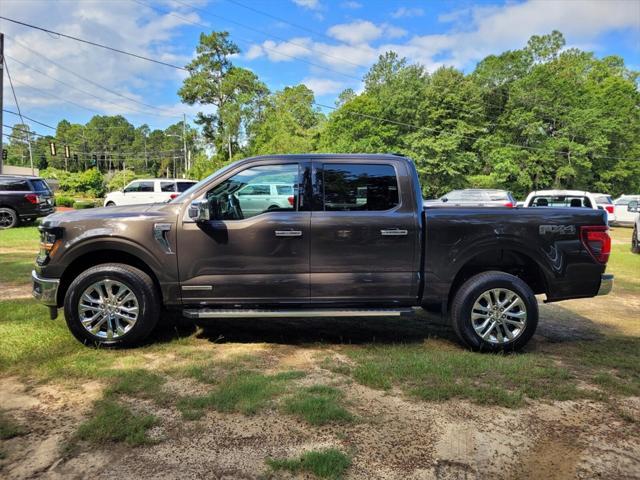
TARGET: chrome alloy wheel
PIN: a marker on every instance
(499, 316)
(108, 309)
(7, 218)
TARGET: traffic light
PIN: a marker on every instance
(4, 154)
(75, 157)
(94, 159)
(67, 152)
(52, 147)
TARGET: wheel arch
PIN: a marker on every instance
(111, 254)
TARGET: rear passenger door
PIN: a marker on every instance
(364, 233)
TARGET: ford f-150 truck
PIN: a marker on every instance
(355, 240)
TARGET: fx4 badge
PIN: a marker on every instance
(557, 229)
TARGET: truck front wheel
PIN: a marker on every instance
(494, 311)
(112, 304)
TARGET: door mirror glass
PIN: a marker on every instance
(200, 211)
(633, 206)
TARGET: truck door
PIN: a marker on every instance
(245, 255)
(364, 233)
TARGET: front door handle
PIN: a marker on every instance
(394, 232)
(288, 233)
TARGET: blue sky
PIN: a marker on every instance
(326, 44)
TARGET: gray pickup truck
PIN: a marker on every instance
(355, 240)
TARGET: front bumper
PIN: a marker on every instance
(45, 290)
(606, 284)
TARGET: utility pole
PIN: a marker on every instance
(184, 143)
(1, 95)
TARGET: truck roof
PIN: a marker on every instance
(375, 157)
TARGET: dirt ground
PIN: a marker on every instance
(399, 438)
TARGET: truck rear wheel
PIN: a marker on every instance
(494, 311)
(112, 304)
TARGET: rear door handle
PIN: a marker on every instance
(288, 233)
(394, 232)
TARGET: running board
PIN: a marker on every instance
(296, 313)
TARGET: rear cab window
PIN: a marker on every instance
(184, 186)
(167, 186)
(561, 201)
(359, 187)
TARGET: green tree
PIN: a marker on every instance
(234, 92)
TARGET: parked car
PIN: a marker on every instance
(475, 197)
(356, 241)
(23, 199)
(605, 202)
(255, 198)
(623, 215)
(563, 198)
(633, 208)
(152, 190)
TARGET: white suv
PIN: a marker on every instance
(623, 216)
(153, 190)
(633, 208)
(256, 198)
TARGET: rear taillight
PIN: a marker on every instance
(290, 201)
(509, 205)
(609, 208)
(173, 195)
(597, 241)
(32, 198)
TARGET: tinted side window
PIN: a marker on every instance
(229, 201)
(146, 187)
(14, 185)
(354, 187)
(184, 186)
(167, 186)
(133, 187)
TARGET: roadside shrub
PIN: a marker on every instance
(63, 201)
(120, 179)
(89, 182)
(81, 204)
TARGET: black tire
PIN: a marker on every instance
(110, 204)
(272, 208)
(472, 290)
(635, 244)
(8, 218)
(137, 281)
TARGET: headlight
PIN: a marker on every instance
(50, 240)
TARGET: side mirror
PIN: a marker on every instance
(445, 199)
(633, 206)
(200, 211)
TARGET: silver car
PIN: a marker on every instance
(475, 197)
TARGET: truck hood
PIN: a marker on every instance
(124, 213)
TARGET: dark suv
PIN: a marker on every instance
(23, 199)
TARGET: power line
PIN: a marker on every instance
(114, 92)
(28, 118)
(15, 99)
(276, 51)
(95, 44)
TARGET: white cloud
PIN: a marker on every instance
(310, 4)
(323, 86)
(406, 12)
(123, 25)
(360, 31)
(351, 5)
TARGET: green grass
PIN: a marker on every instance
(243, 391)
(9, 428)
(112, 422)
(15, 268)
(432, 371)
(624, 264)
(138, 383)
(22, 238)
(319, 405)
(330, 463)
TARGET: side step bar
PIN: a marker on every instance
(297, 313)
